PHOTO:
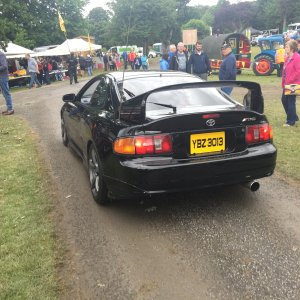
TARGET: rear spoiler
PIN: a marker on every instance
(134, 110)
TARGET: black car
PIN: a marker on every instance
(145, 133)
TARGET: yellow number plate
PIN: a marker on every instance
(207, 142)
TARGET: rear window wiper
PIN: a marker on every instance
(166, 105)
(129, 93)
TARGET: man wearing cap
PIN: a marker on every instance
(228, 67)
(199, 63)
(4, 85)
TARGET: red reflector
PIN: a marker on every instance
(154, 144)
(144, 145)
(211, 116)
(162, 144)
(258, 133)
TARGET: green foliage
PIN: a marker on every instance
(235, 17)
(202, 29)
(97, 21)
(32, 23)
(35, 22)
(145, 22)
(276, 14)
(22, 39)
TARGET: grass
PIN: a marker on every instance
(286, 139)
(27, 244)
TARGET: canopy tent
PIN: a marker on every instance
(68, 46)
(15, 51)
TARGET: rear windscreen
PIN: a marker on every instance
(138, 86)
(187, 100)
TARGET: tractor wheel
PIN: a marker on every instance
(263, 66)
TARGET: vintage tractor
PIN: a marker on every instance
(240, 45)
(264, 62)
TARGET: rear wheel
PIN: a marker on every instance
(263, 66)
(98, 186)
(64, 134)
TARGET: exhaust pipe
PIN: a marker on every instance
(253, 186)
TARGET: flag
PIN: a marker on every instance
(89, 41)
(61, 23)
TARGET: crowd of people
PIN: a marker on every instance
(197, 62)
(137, 61)
(178, 59)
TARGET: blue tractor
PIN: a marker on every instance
(264, 62)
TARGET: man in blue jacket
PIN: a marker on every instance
(4, 85)
(228, 67)
(199, 63)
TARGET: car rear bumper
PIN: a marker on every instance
(144, 176)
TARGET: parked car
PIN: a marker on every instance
(152, 54)
(162, 132)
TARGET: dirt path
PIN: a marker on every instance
(225, 243)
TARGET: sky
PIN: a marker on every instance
(101, 3)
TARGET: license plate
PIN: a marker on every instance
(207, 142)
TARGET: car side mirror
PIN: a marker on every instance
(69, 97)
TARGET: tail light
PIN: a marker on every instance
(143, 144)
(258, 133)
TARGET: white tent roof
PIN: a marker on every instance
(70, 45)
(14, 51)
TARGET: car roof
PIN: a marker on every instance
(146, 74)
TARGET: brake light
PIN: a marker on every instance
(211, 116)
(258, 133)
(143, 144)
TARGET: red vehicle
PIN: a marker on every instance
(240, 47)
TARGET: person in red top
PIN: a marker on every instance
(290, 75)
(131, 58)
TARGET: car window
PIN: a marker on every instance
(102, 96)
(186, 100)
(135, 87)
(87, 95)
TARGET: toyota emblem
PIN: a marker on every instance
(210, 122)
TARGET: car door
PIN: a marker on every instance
(78, 113)
(99, 115)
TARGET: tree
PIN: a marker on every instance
(97, 21)
(276, 14)
(35, 22)
(235, 17)
(202, 29)
(143, 23)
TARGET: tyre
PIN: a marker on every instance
(263, 66)
(97, 184)
(64, 134)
